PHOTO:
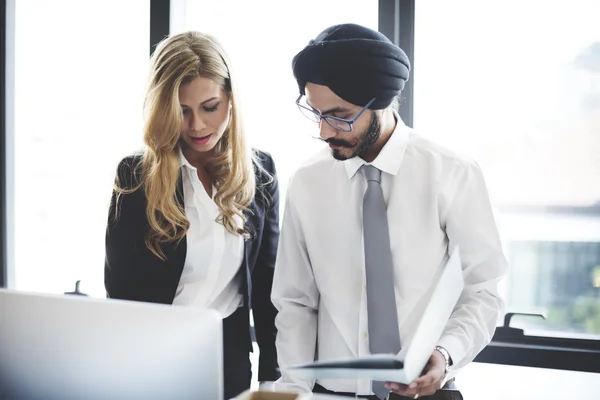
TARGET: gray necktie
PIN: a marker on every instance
(384, 336)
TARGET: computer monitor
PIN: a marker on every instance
(75, 347)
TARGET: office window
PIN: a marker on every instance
(80, 71)
(261, 38)
(516, 85)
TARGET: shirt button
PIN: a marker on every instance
(364, 335)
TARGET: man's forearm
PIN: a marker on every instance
(471, 327)
(296, 340)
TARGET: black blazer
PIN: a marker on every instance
(132, 272)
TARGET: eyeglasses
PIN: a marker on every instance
(340, 124)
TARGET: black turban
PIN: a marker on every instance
(356, 63)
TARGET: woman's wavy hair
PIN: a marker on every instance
(178, 60)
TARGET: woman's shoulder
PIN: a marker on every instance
(265, 160)
(129, 171)
(267, 187)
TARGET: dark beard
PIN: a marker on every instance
(365, 140)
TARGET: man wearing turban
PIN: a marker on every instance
(365, 232)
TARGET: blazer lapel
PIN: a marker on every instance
(248, 249)
(180, 251)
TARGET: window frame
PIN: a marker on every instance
(160, 21)
(397, 22)
(7, 140)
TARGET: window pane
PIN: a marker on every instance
(80, 71)
(516, 85)
(261, 49)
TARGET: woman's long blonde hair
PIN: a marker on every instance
(176, 61)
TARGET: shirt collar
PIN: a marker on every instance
(183, 162)
(390, 157)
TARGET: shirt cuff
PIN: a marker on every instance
(454, 347)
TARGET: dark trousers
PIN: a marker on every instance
(443, 394)
(236, 354)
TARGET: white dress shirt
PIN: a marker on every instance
(436, 199)
(210, 275)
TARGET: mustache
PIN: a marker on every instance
(337, 142)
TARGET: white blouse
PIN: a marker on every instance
(211, 274)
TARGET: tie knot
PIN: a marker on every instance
(372, 173)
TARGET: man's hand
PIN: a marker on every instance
(431, 380)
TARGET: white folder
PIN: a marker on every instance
(409, 363)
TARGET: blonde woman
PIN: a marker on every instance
(194, 219)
